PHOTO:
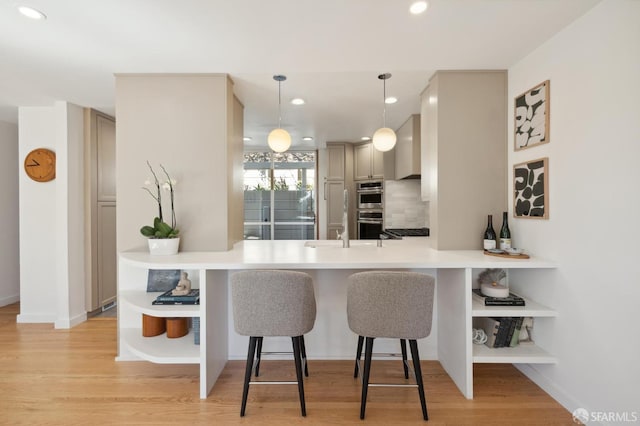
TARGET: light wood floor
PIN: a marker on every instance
(68, 377)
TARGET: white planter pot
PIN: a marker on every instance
(165, 246)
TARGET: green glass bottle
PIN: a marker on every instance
(505, 233)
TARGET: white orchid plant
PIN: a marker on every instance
(160, 228)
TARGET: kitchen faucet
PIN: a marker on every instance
(344, 236)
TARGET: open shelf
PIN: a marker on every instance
(141, 301)
(531, 309)
(161, 349)
(521, 354)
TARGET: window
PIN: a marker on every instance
(279, 195)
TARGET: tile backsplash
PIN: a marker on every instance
(403, 207)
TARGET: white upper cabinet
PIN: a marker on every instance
(408, 149)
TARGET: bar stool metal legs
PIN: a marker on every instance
(403, 347)
(298, 361)
(303, 353)
(258, 355)
(365, 375)
(254, 343)
(247, 373)
(366, 371)
(418, 370)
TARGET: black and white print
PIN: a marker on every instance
(530, 186)
(532, 117)
(162, 279)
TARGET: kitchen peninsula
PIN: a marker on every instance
(329, 264)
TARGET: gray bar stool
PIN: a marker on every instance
(273, 303)
(397, 305)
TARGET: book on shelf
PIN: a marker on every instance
(511, 300)
(515, 335)
(503, 332)
(167, 298)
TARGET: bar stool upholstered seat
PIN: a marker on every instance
(273, 303)
(397, 305)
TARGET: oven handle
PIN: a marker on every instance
(370, 221)
(370, 191)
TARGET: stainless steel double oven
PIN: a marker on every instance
(370, 209)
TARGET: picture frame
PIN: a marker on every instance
(531, 189)
(162, 279)
(531, 116)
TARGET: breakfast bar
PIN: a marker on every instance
(329, 264)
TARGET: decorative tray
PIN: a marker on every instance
(498, 253)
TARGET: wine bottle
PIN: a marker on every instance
(505, 233)
(489, 235)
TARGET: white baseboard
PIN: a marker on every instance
(9, 300)
(556, 392)
(71, 322)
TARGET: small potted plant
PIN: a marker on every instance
(162, 237)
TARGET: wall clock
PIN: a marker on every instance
(40, 165)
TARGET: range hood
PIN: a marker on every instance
(407, 149)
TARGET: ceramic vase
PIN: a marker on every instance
(163, 246)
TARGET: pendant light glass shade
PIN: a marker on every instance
(279, 139)
(384, 139)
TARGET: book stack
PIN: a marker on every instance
(511, 300)
(167, 298)
(196, 330)
(501, 332)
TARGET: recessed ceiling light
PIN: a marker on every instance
(297, 101)
(391, 100)
(365, 138)
(32, 13)
(418, 7)
(246, 139)
(307, 138)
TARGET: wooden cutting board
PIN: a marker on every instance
(507, 255)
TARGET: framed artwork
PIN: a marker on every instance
(531, 117)
(531, 189)
(162, 279)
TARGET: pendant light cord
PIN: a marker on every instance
(279, 113)
(384, 104)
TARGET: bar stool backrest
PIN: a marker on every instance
(272, 303)
(390, 304)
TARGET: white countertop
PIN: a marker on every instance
(363, 254)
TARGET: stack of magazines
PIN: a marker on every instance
(167, 298)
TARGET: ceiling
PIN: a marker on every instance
(330, 50)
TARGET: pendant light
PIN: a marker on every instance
(279, 139)
(384, 139)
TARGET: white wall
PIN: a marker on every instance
(51, 219)
(9, 243)
(593, 231)
(183, 122)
